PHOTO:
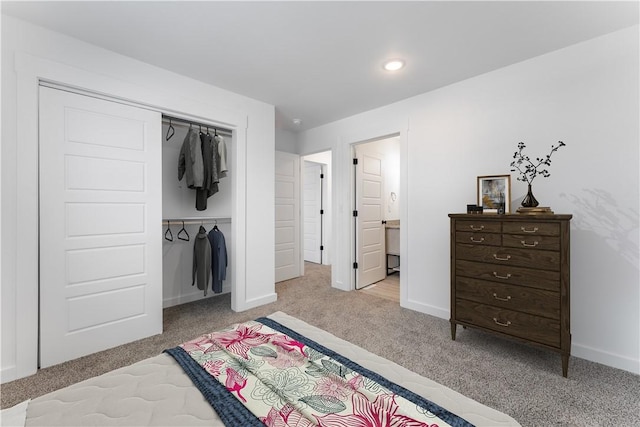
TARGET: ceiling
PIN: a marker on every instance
(322, 61)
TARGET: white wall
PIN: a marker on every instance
(286, 141)
(70, 61)
(585, 95)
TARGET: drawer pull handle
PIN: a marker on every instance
(499, 323)
(507, 258)
(474, 228)
(477, 241)
(532, 230)
(529, 245)
(501, 299)
(496, 275)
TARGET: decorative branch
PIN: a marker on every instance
(529, 169)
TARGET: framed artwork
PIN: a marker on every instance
(494, 193)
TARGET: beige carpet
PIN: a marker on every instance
(522, 381)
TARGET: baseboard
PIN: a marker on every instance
(8, 374)
(257, 302)
(340, 285)
(425, 308)
(610, 359)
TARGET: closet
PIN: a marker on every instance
(108, 176)
(179, 210)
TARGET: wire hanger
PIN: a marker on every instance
(180, 233)
(215, 224)
(168, 234)
(170, 131)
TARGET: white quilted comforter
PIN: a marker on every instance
(156, 392)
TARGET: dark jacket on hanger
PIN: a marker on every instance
(190, 161)
(210, 163)
(201, 261)
(218, 259)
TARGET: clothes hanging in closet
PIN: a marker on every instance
(190, 161)
(203, 160)
(201, 271)
(211, 178)
(222, 153)
(218, 259)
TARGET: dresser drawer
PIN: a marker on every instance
(544, 260)
(531, 228)
(519, 298)
(479, 225)
(551, 243)
(540, 279)
(526, 326)
(479, 238)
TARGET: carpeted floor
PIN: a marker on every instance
(520, 380)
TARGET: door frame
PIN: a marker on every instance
(343, 227)
(30, 72)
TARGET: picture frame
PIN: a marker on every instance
(494, 193)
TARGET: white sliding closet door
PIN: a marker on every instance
(100, 225)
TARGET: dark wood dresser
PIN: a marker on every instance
(510, 276)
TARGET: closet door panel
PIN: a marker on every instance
(100, 225)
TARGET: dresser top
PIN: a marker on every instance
(511, 217)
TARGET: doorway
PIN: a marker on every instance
(377, 217)
(316, 201)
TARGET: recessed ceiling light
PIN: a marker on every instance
(296, 121)
(393, 65)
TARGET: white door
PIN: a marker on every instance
(312, 212)
(370, 229)
(100, 225)
(287, 205)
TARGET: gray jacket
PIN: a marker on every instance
(190, 161)
(201, 260)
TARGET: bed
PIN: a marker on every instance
(157, 391)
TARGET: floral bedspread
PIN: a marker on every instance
(284, 379)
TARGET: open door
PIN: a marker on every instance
(287, 216)
(313, 212)
(370, 237)
(100, 225)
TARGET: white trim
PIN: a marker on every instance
(426, 308)
(7, 374)
(257, 302)
(29, 71)
(610, 359)
(343, 228)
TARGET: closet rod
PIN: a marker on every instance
(225, 132)
(196, 220)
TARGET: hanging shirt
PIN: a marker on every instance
(222, 156)
(201, 271)
(190, 162)
(218, 259)
(210, 181)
